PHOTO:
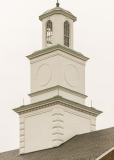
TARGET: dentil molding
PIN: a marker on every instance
(54, 101)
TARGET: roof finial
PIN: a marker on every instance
(57, 4)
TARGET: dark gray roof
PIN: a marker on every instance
(80, 147)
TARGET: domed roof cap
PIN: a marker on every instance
(57, 10)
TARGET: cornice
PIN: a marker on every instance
(57, 47)
(54, 101)
(58, 88)
(58, 12)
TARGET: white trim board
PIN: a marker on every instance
(105, 153)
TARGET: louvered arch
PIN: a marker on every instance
(49, 33)
(66, 33)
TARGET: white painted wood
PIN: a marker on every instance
(22, 151)
(59, 65)
(58, 29)
(38, 132)
(105, 153)
(43, 128)
(47, 128)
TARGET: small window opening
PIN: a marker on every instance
(49, 33)
(66, 34)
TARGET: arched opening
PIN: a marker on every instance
(66, 33)
(49, 33)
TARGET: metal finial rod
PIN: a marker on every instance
(57, 4)
(23, 101)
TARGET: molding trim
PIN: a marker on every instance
(54, 101)
(93, 125)
(105, 153)
(22, 135)
(57, 127)
(66, 76)
(49, 78)
(58, 88)
(57, 47)
(52, 12)
(55, 53)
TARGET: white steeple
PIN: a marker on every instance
(57, 111)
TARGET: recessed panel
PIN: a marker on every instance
(38, 132)
(71, 75)
(44, 74)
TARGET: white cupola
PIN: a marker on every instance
(57, 27)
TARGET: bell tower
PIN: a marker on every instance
(57, 27)
(57, 111)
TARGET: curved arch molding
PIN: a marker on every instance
(44, 74)
(71, 75)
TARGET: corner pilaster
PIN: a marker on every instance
(93, 125)
(22, 135)
(57, 127)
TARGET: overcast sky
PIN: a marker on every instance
(21, 35)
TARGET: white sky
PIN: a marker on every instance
(21, 35)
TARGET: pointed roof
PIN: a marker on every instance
(57, 47)
(57, 10)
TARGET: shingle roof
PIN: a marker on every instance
(80, 147)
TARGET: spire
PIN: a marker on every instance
(57, 4)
